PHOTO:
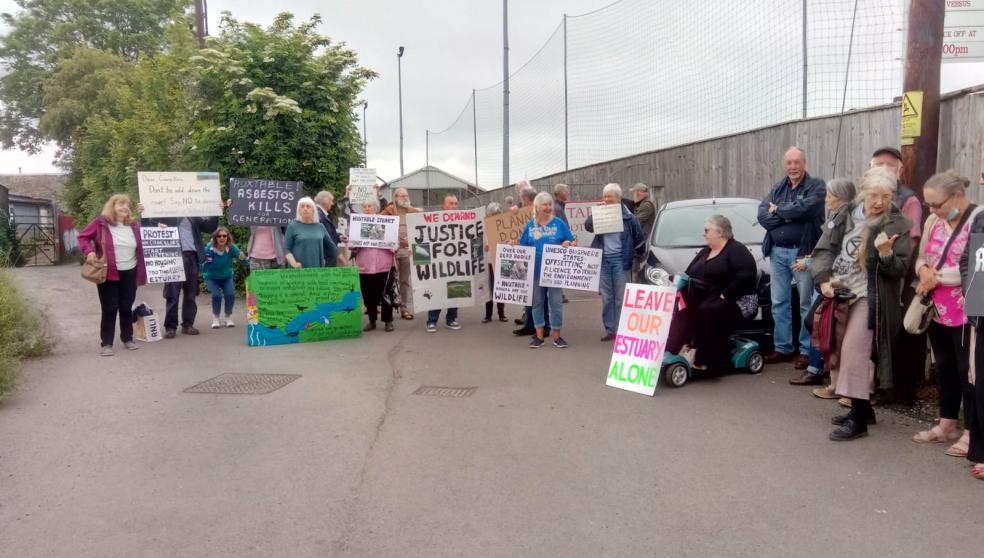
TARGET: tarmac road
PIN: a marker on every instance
(108, 457)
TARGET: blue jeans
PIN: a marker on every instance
(544, 297)
(433, 315)
(528, 314)
(781, 261)
(613, 279)
(221, 288)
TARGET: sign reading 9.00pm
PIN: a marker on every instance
(640, 343)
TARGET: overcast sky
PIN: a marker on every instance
(452, 46)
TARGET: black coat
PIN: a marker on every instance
(731, 273)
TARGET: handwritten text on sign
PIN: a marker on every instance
(570, 268)
(374, 231)
(263, 202)
(162, 254)
(363, 183)
(506, 227)
(514, 274)
(448, 266)
(640, 343)
(607, 218)
(180, 194)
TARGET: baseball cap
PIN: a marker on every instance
(889, 150)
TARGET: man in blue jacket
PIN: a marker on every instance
(618, 252)
(792, 216)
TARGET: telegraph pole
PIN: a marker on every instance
(200, 31)
(505, 92)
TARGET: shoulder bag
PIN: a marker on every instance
(95, 272)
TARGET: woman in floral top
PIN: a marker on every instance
(949, 334)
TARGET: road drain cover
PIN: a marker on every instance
(243, 384)
(439, 391)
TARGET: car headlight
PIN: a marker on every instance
(658, 276)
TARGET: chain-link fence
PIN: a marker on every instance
(641, 75)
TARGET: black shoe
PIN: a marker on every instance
(608, 337)
(503, 319)
(486, 319)
(189, 330)
(517, 321)
(170, 333)
(389, 326)
(850, 430)
(370, 326)
(524, 331)
(839, 420)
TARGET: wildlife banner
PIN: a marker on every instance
(448, 266)
(180, 194)
(514, 274)
(263, 202)
(643, 327)
(285, 306)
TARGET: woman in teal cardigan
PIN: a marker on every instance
(220, 253)
(307, 242)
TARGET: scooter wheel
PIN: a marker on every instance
(755, 363)
(676, 375)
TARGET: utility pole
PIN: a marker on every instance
(200, 22)
(475, 134)
(921, 93)
(805, 80)
(505, 92)
(399, 80)
(427, 163)
(567, 165)
(365, 138)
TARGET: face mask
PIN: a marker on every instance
(952, 214)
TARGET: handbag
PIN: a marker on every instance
(922, 311)
(95, 272)
(391, 291)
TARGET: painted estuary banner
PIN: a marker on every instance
(448, 268)
(263, 202)
(640, 342)
(286, 306)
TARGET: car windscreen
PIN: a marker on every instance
(684, 226)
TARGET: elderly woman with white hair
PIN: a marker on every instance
(866, 256)
(307, 242)
(618, 253)
(545, 229)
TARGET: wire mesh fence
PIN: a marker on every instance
(642, 75)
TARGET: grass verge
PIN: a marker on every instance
(22, 332)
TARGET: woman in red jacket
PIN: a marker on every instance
(116, 234)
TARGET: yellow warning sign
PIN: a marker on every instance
(912, 114)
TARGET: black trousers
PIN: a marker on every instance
(976, 420)
(951, 347)
(189, 288)
(488, 305)
(116, 297)
(373, 286)
(707, 325)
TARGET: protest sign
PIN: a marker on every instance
(505, 227)
(374, 231)
(570, 268)
(577, 214)
(514, 274)
(286, 306)
(263, 202)
(363, 183)
(640, 342)
(448, 266)
(162, 254)
(607, 218)
(974, 299)
(180, 194)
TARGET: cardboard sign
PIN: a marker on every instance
(514, 274)
(640, 342)
(374, 231)
(607, 218)
(577, 214)
(570, 268)
(363, 183)
(180, 194)
(974, 299)
(263, 202)
(285, 306)
(506, 227)
(162, 254)
(448, 266)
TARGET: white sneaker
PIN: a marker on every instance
(228, 322)
(215, 323)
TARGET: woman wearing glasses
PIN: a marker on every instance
(939, 277)
(220, 253)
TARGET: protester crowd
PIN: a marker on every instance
(856, 279)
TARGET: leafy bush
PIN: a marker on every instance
(22, 332)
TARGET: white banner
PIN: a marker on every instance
(374, 231)
(162, 254)
(643, 326)
(570, 268)
(514, 274)
(180, 194)
(963, 31)
(448, 266)
(363, 183)
(607, 218)
(577, 213)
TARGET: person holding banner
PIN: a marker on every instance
(376, 275)
(619, 250)
(400, 208)
(544, 229)
(493, 209)
(220, 253)
(115, 235)
(450, 203)
(307, 242)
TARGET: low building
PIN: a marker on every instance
(34, 203)
(428, 186)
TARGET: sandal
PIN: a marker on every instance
(960, 448)
(406, 314)
(978, 471)
(934, 435)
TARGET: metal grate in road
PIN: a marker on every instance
(439, 391)
(243, 384)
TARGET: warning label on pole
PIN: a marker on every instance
(912, 114)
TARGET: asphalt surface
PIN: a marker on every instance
(109, 457)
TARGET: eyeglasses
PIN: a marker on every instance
(221, 236)
(937, 205)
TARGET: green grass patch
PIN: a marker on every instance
(22, 332)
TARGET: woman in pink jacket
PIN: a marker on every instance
(116, 234)
(374, 271)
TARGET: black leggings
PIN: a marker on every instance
(976, 411)
(373, 285)
(951, 347)
(500, 306)
(116, 297)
